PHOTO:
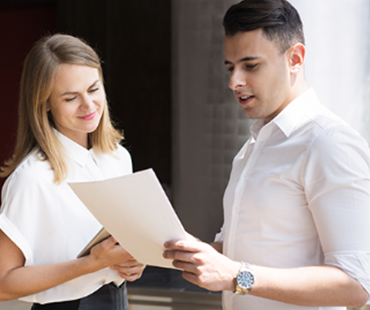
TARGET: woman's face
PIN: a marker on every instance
(77, 101)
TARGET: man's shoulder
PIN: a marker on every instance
(331, 135)
(328, 125)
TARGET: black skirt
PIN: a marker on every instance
(108, 297)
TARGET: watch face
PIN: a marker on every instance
(245, 280)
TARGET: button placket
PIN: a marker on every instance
(257, 147)
(238, 195)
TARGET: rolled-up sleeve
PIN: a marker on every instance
(337, 184)
(356, 265)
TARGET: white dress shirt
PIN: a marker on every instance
(299, 195)
(49, 223)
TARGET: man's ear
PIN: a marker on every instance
(297, 55)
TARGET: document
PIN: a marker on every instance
(135, 210)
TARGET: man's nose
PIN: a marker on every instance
(237, 80)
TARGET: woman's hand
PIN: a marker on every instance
(130, 270)
(110, 253)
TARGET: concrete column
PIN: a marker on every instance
(209, 126)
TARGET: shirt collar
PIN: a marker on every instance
(75, 151)
(303, 107)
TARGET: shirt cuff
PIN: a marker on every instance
(13, 234)
(356, 265)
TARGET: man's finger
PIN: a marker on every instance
(184, 256)
(191, 277)
(184, 245)
(184, 266)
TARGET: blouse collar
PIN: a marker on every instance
(75, 151)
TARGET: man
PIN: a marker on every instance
(297, 207)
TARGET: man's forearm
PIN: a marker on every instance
(309, 286)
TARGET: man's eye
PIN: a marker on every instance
(230, 69)
(251, 66)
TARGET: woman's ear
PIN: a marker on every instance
(297, 55)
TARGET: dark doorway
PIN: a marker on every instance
(21, 24)
(133, 39)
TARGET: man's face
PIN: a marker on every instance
(259, 74)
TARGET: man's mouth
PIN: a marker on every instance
(245, 99)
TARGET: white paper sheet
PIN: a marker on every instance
(136, 211)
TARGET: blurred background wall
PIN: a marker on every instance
(133, 38)
(208, 126)
(338, 56)
(167, 84)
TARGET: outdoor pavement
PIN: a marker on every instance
(19, 305)
(15, 305)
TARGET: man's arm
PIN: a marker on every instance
(306, 286)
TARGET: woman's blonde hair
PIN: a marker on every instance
(35, 127)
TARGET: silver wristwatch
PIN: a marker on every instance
(244, 279)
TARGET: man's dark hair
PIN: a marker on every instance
(279, 20)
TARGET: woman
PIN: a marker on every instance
(64, 134)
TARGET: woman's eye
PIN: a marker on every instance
(93, 90)
(70, 99)
(229, 69)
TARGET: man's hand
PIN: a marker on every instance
(202, 264)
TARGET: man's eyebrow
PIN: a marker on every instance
(249, 58)
(75, 92)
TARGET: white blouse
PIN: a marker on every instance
(299, 195)
(49, 223)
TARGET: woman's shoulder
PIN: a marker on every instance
(32, 176)
(31, 171)
(124, 159)
(123, 153)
